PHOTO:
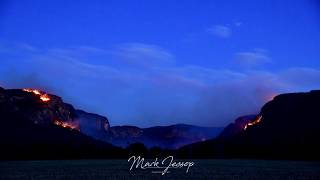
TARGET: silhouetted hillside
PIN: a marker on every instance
(29, 130)
(288, 128)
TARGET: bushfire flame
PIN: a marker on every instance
(43, 96)
(66, 125)
(256, 121)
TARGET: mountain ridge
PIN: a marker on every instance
(46, 109)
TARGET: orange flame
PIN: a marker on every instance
(256, 121)
(68, 125)
(44, 97)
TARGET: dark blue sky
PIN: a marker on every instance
(162, 62)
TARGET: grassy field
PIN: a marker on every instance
(119, 169)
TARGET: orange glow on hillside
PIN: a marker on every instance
(256, 121)
(270, 96)
(68, 125)
(43, 96)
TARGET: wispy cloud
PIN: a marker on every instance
(238, 24)
(27, 47)
(18, 47)
(220, 31)
(144, 55)
(253, 58)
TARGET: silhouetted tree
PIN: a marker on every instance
(137, 149)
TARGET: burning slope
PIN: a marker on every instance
(69, 125)
(27, 129)
(43, 96)
(254, 122)
(62, 116)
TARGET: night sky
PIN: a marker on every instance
(162, 62)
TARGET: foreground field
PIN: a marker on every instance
(119, 169)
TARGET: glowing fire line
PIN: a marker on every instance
(256, 121)
(44, 97)
(66, 125)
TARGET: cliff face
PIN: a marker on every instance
(92, 124)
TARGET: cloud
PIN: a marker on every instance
(220, 31)
(27, 47)
(253, 58)
(143, 55)
(19, 47)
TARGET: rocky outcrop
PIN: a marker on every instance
(92, 125)
(31, 107)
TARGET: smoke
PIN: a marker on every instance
(154, 93)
